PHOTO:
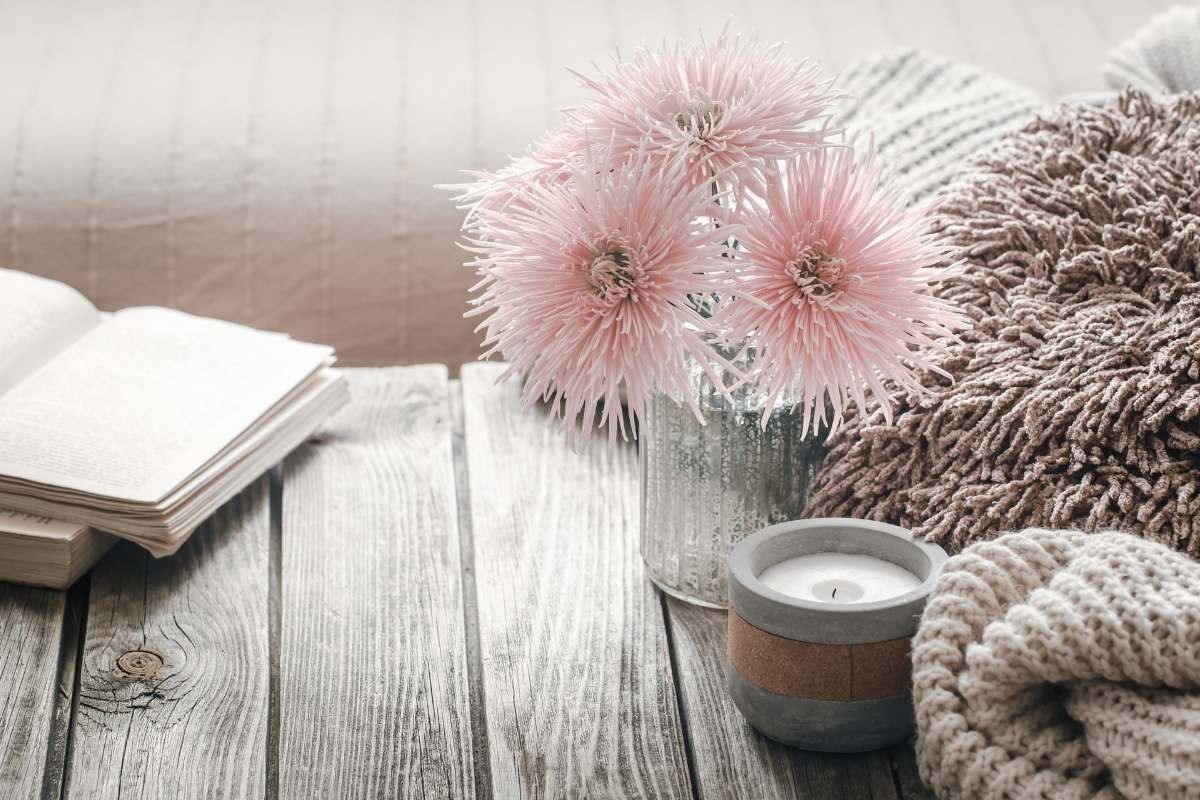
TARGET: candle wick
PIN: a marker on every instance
(835, 591)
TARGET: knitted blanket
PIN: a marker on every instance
(929, 115)
(1055, 664)
(1075, 400)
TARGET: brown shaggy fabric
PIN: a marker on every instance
(1076, 395)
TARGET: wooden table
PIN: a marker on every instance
(434, 598)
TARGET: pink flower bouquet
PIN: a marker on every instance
(700, 211)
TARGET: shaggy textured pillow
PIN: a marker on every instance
(1076, 396)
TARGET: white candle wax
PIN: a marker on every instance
(839, 578)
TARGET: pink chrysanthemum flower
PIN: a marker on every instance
(548, 160)
(586, 283)
(725, 106)
(842, 270)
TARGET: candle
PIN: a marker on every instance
(821, 622)
(839, 578)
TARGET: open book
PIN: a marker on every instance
(143, 422)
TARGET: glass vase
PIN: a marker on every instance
(706, 486)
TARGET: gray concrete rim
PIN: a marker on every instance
(826, 623)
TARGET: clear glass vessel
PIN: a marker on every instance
(706, 486)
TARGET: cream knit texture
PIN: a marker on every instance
(928, 115)
(1058, 664)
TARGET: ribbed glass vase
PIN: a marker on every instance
(706, 486)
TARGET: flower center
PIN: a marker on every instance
(698, 117)
(611, 275)
(820, 276)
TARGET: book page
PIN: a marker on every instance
(39, 318)
(144, 400)
(36, 526)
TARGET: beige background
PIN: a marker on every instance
(273, 162)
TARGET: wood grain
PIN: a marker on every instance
(31, 639)
(576, 671)
(373, 677)
(733, 760)
(173, 681)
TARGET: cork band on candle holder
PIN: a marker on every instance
(815, 671)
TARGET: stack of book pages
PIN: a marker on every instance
(47, 552)
(138, 424)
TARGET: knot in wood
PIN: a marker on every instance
(140, 663)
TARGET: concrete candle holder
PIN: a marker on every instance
(813, 671)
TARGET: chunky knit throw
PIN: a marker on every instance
(1075, 399)
(1055, 664)
(928, 114)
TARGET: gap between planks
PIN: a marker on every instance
(470, 598)
(689, 748)
(274, 621)
(56, 776)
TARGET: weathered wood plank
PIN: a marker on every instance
(577, 678)
(32, 699)
(731, 758)
(373, 678)
(173, 682)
